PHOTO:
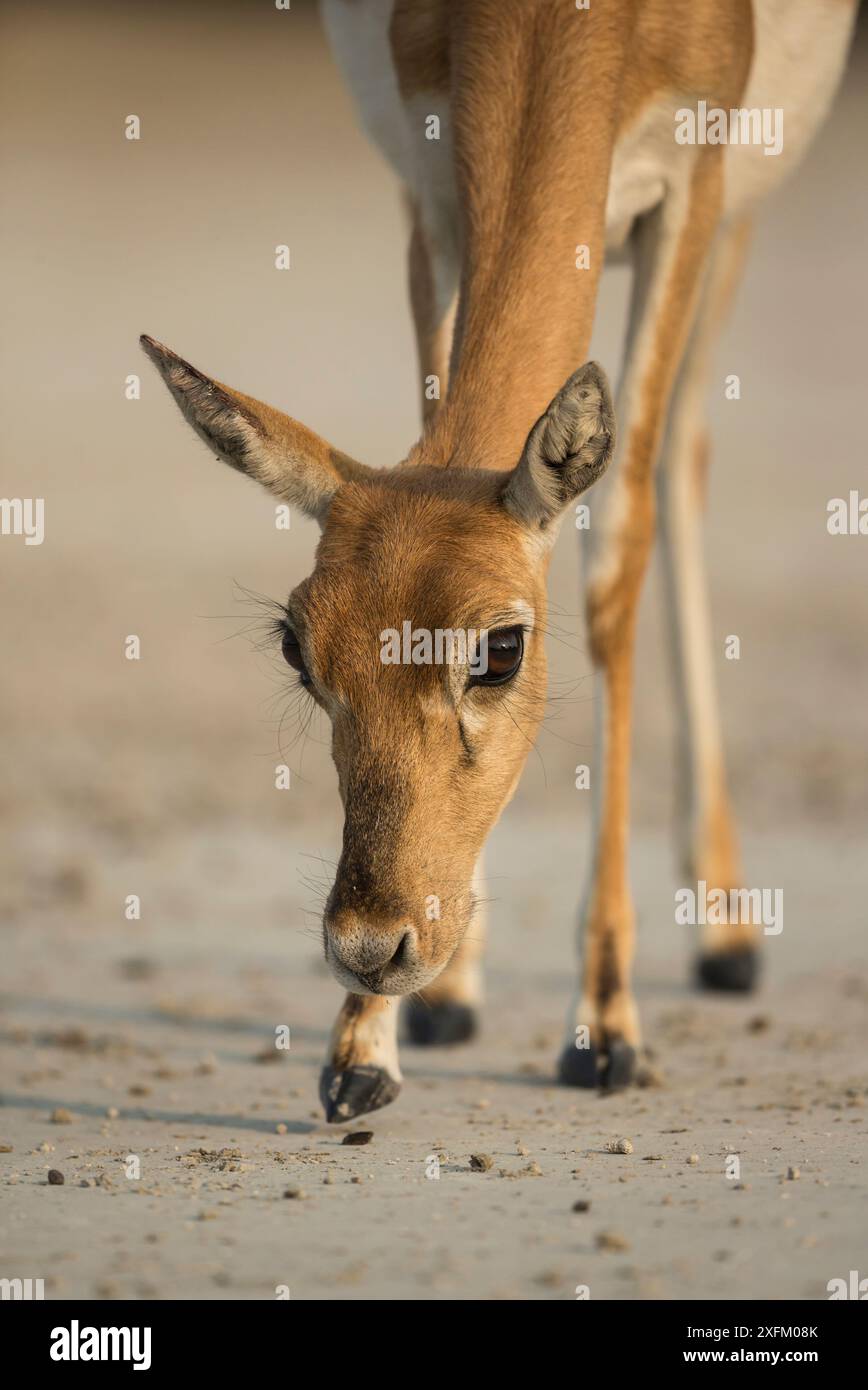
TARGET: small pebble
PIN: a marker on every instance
(619, 1146)
(294, 1194)
(693, 1159)
(358, 1136)
(612, 1240)
(55, 1178)
(61, 1117)
(582, 1205)
(650, 1078)
(112, 1112)
(281, 1128)
(793, 1174)
(481, 1162)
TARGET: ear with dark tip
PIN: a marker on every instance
(567, 450)
(289, 460)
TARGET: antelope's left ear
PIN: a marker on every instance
(567, 450)
(288, 459)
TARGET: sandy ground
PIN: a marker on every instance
(170, 1029)
(157, 777)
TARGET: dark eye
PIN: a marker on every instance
(292, 654)
(501, 658)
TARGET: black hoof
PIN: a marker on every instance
(732, 972)
(620, 1068)
(609, 1069)
(579, 1066)
(356, 1091)
(439, 1025)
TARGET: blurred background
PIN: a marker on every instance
(248, 140)
(156, 776)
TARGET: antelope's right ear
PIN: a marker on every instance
(567, 450)
(289, 460)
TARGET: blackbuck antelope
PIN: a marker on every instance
(534, 138)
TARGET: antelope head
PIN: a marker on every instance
(420, 633)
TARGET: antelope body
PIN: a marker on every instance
(555, 148)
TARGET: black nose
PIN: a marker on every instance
(374, 952)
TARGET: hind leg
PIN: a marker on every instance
(728, 957)
(433, 275)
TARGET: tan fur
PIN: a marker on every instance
(708, 835)
(419, 35)
(276, 451)
(667, 289)
(365, 1034)
(550, 87)
(460, 982)
(556, 131)
(467, 564)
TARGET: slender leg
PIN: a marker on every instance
(709, 843)
(448, 1011)
(672, 246)
(433, 298)
(362, 1072)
